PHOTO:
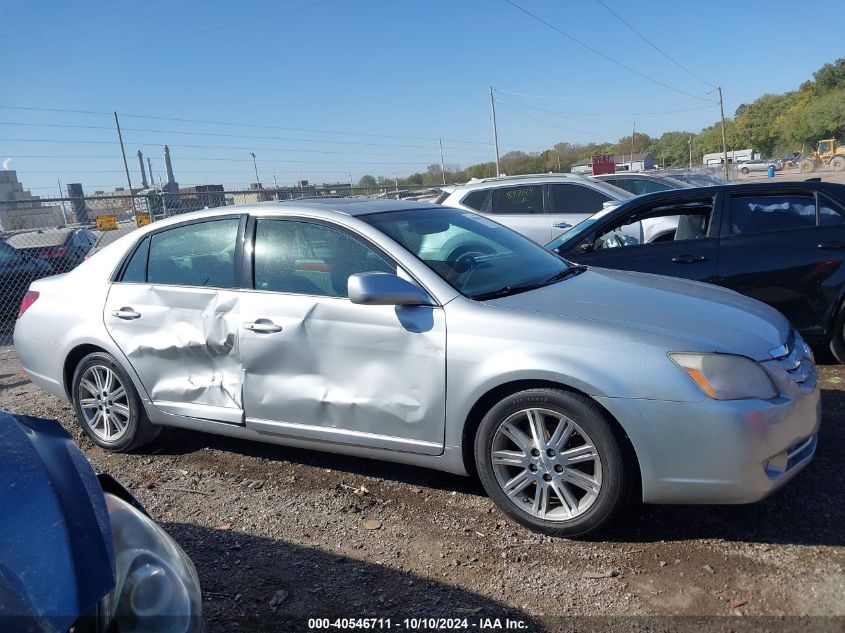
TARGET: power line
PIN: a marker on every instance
(217, 134)
(603, 55)
(166, 38)
(240, 124)
(40, 42)
(654, 46)
(598, 114)
(533, 118)
(433, 157)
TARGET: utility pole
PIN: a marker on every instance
(442, 164)
(724, 136)
(150, 165)
(255, 166)
(126, 167)
(495, 132)
(633, 134)
(690, 151)
(558, 162)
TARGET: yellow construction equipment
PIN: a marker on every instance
(827, 153)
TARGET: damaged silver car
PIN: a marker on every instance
(429, 336)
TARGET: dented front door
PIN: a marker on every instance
(326, 369)
(317, 366)
(183, 344)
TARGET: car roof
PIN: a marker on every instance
(478, 183)
(835, 189)
(39, 238)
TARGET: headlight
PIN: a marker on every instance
(156, 586)
(726, 376)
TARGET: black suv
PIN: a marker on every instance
(781, 243)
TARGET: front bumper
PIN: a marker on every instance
(715, 451)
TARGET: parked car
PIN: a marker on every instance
(540, 207)
(17, 271)
(373, 328)
(639, 183)
(61, 248)
(77, 551)
(780, 243)
(759, 165)
(697, 179)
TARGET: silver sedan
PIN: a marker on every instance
(430, 336)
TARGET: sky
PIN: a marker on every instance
(325, 89)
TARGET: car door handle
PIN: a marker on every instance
(832, 246)
(127, 314)
(562, 225)
(689, 259)
(262, 326)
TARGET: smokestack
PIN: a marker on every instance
(144, 184)
(168, 166)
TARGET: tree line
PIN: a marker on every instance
(772, 125)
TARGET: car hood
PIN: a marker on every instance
(56, 556)
(707, 317)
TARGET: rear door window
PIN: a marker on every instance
(572, 198)
(521, 200)
(198, 254)
(779, 212)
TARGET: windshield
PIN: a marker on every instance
(478, 257)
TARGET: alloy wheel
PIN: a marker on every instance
(546, 464)
(104, 403)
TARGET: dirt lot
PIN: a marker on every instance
(793, 174)
(260, 519)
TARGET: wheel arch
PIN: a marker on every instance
(499, 392)
(72, 361)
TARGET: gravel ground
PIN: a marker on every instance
(333, 536)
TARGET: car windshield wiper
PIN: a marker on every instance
(517, 288)
(571, 271)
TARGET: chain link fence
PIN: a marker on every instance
(50, 236)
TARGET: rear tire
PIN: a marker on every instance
(107, 405)
(807, 166)
(553, 462)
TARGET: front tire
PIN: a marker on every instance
(744, 170)
(107, 405)
(552, 461)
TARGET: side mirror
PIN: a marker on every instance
(384, 289)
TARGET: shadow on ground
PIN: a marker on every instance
(315, 584)
(808, 511)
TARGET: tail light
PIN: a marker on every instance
(53, 251)
(28, 299)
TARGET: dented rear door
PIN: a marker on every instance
(174, 313)
(321, 368)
